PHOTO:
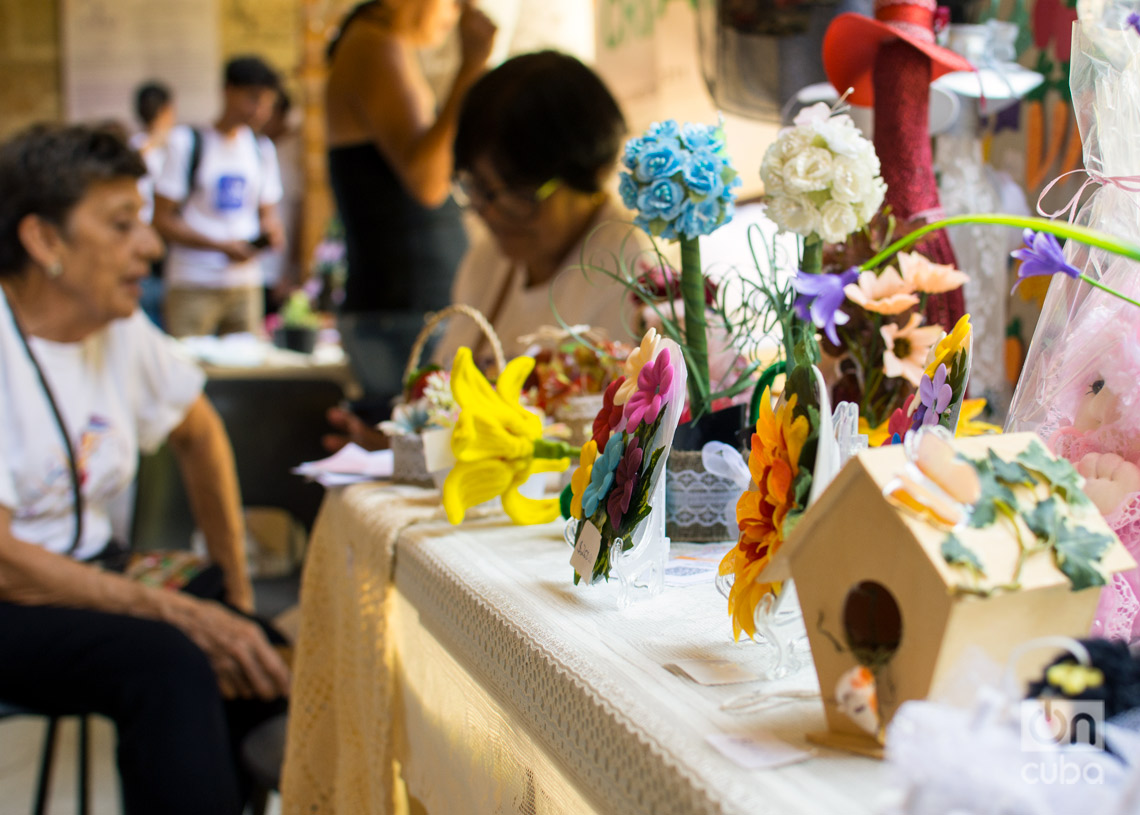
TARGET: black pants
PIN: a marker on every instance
(177, 738)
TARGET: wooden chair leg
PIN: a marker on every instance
(84, 767)
(39, 807)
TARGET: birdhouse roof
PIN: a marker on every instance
(993, 550)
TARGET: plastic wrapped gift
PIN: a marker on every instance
(1080, 390)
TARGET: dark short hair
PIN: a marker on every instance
(541, 116)
(46, 170)
(150, 99)
(251, 72)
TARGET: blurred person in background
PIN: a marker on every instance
(154, 108)
(216, 206)
(282, 267)
(390, 168)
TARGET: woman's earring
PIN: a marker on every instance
(55, 269)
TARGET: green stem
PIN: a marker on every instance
(1113, 292)
(810, 263)
(696, 330)
(1092, 237)
(544, 448)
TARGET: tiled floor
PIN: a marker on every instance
(20, 743)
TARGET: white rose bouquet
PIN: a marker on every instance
(821, 176)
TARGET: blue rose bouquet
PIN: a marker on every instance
(681, 183)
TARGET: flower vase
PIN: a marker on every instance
(780, 631)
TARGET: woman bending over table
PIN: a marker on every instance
(86, 383)
(536, 148)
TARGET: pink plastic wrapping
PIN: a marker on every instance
(1080, 389)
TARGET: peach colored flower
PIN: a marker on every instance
(907, 347)
(641, 356)
(884, 293)
(927, 277)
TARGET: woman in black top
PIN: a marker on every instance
(390, 168)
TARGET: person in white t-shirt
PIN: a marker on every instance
(216, 206)
(86, 383)
(154, 107)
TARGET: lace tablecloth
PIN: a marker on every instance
(513, 691)
(338, 750)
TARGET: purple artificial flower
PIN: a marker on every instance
(821, 295)
(653, 384)
(625, 479)
(1041, 256)
(1133, 20)
(934, 395)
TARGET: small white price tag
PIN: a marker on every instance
(586, 551)
(712, 671)
(756, 752)
(437, 449)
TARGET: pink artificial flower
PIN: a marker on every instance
(625, 480)
(885, 293)
(921, 274)
(653, 384)
(907, 348)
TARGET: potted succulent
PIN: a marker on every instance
(299, 324)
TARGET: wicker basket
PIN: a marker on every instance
(408, 463)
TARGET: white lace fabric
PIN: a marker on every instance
(512, 691)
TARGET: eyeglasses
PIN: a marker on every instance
(512, 204)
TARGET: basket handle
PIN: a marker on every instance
(432, 319)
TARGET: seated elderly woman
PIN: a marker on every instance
(86, 382)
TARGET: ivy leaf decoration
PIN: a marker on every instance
(1078, 551)
(996, 498)
(1062, 477)
(1010, 472)
(956, 553)
(1043, 520)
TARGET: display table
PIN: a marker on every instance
(467, 656)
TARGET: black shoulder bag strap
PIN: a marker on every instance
(195, 161)
(73, 466)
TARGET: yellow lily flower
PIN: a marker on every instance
(876, 436)
(968, 424)
(581, 477)
(949, 346)
(494, 443)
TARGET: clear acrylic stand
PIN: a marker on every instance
(643, 566)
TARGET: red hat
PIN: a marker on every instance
(853, 40)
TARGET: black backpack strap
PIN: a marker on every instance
(195, 160)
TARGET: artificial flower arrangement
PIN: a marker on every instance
(498, 444)
(680, 182)
(425, 404)
(566, 368)
(616, 486)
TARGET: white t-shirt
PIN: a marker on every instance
(121, 390)
(497, 287)
(154, 157)
(236, 175)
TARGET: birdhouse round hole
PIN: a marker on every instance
(872, 623)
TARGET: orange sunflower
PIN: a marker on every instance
(761, 510)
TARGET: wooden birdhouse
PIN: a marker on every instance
(903, 565)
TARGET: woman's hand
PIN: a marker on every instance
(246, 664)
(476, 38)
